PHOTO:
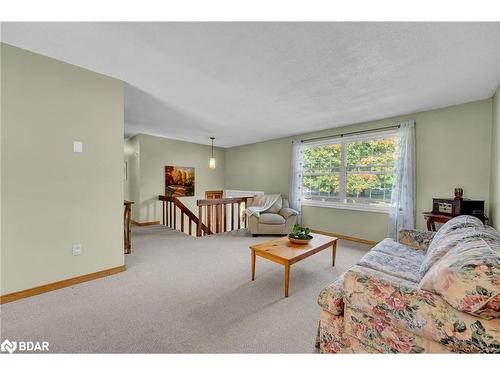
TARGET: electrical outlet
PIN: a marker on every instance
(77, 146)
(77, 249)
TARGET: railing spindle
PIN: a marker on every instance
(232, 216)
(239, 218)
(168, 213)
(217, 219)
(224, 217)
(172, 207)
(245, 216)
(209, 218)
(182, 222)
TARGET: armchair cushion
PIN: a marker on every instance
(273, 219)
(391, 300)
(468, 278)
(287, 212)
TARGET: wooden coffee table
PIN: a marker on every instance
(286, 253)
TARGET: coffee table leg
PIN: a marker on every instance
(253, 264)
(334, 253)
(287, 278)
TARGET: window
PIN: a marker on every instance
(350, 172)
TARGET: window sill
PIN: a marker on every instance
(347, 206)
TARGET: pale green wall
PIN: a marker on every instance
(51, 197)
(157, 152)
(1, 163)
(495, 163)
(453, 150)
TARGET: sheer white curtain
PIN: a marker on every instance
(403, 197)
(295, 194)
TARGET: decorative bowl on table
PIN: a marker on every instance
(300, 241)
(299, 235)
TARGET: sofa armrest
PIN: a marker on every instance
(415, 238)
(287, 212)
(331, 298)
(389, 301)
(253, 224)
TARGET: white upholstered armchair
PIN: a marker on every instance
(279, 219)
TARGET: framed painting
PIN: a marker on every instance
(179, 181)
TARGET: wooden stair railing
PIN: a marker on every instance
(218, 208)
(169, 217)
(127, 217)
(216, 214)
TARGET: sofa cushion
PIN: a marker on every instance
(273, 219)
(405, 267)
(331, 298)
(468, 278)
(391, 247)
(460, 235)
(462, 221)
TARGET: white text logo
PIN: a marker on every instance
(24, 346)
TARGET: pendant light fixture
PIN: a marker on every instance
(211, 160)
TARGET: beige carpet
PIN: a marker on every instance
(182, 294)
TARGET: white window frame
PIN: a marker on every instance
(342, 203)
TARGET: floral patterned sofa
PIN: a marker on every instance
(430, 292)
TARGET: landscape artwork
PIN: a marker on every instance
(179, 181)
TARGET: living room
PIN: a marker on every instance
(250, 187)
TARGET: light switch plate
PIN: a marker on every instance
(77, 146)
(77, 249)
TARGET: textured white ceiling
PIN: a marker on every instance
(247, 82)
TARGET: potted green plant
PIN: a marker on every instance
(300, 235)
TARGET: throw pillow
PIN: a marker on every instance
(441, 242)
(468, 278)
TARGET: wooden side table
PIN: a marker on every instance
(432, 218)
(127, 213)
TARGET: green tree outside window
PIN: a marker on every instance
(367, 174)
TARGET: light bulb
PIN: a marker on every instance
(211, 163)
